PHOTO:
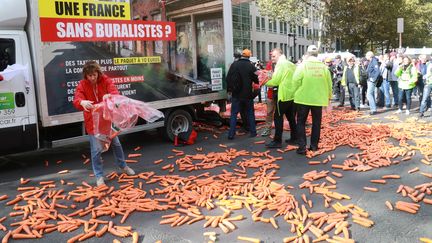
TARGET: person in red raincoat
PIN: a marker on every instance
(92, 90)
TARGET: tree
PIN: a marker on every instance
(369, 24)
(361, 24)
(418, 23)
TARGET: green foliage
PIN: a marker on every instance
(363, 24)
(291, 11)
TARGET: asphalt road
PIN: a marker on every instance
(390, 226)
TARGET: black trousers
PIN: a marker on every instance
(302, 114)
(363, 94)
(286, 108)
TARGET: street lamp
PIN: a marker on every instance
(294, 44)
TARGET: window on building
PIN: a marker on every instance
(281, 27)
(263, 51)
(270, 25)
(258, 49)
(258, 23)
(286, 50)
(292, 28)
(263, 24)
(270, 46)
(274, 26)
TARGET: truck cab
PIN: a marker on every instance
(18, 122)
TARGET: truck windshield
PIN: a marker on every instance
(7, 53)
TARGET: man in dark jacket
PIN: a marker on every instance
(373, 71)
(338, 88)
(363, 80)
(243, 97)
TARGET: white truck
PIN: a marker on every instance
(170, 54)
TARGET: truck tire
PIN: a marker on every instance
(178, 121)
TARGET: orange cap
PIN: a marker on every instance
(246, 53)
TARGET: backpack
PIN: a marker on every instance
(234, 81)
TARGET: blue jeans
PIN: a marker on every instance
(370, 94)
(407, 93)
(395, 91)
(385, 89)
(96, 151)
(426, 98)
(250, 114)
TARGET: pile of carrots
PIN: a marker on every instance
(248, 180)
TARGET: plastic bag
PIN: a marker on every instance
(263, 76)
(118, 113)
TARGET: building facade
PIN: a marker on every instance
(293, 40)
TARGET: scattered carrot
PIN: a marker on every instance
(371, 189)
(378, 181)
(135, 237)
(131, 161)
(337, 174)
(425, 240)
(137, 148)
(249, 239)
(389, 205)
(413, 170)
(158, 161)
(6, 237)
(425, 162)
(391, 177)
(134, 155)
(429, 175)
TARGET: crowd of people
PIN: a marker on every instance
(293, 90)
(296, 91)
(387, 81)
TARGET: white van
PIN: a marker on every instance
(172, 55)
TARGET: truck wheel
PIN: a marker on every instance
(178, 121)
